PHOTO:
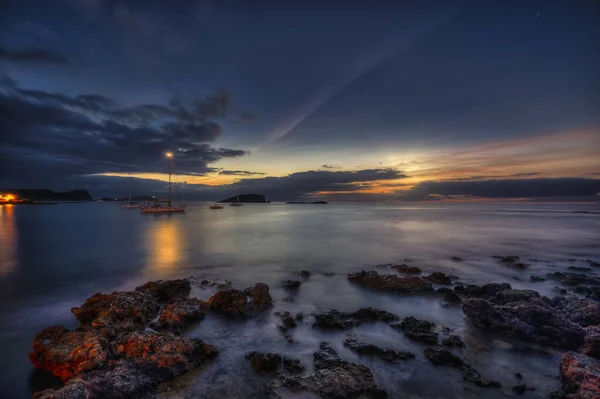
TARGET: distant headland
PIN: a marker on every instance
(32, 195)
(248, 199)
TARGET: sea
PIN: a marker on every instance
(53, 257)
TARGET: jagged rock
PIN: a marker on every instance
(334, 378)
(456, 259)
(178, 314)
(288, 320)
(450, 296)
(291, 284)
(510, 296)
(404, 268)
(165, 290)
(120, 310)
(453, 340)
(535, 279)
(418, 330)
(443, 357)
(370, 349)
(67, 353)
(335, 319)
(580, 375)
(589, 292)
(304, 273)
(591, 342)
(581, 311)
(389, 282)
(439, 278)
(492, 289)
(533, 320)
(593, 263)
(235, 302)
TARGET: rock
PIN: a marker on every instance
(535, 279)
(507, 259)
(178, 314)
(418, 330)
(443, 357)
(264, 362)
(593, 263)
(120, 310)
(404, 268)
(334, 379)
(520, 265)
(581, 311)
(589, 292)
(165, 290)
(288, 320)
(519, 376)
(67, 353)
(510, 296)
(520, 389)
(580, 269)
(453, 340)
(328, 274)
(533, 320)
(456, 259)
(299, 317)
(291, 284)
(388, 282)
(450, 296)
(304, 273)
(591, 342)
(339, 320)
(369, 349)
(163, 353)
(580, 377)
(235, 302)
(439, 278)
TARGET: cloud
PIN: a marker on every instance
(327, 166)
(509, 188)
(92, 133)
(526, 174)
(33, 56)
(240, 173)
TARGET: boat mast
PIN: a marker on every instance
(169, 156)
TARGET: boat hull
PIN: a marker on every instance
(131, 207)
(173, 209)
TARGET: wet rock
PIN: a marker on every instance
(519, 376)
(119, 310)
(593, 263)
(520, 265)
(304, 273)
(560, 291)
(510, 296)
(299, 317)
(507, 259)
(328, 274)
(235, 302)
(580, 269)
(574, 279)
(179, 314)
(521, 389)
(591, 342)
(453, 340)
(556, 275)
(335, 378)
(535, 279)
(67, 353)
(456, 259)
(288, 320)
(589, 292)
(339, 320)
(291, 284)
(264, 362)
(418, 330)
(404, 268)
(533, 320)
(165, 290)
(443, 357)
(492, 289)
(388, 282)
(580, 375)
(584, 312)
(439, 278)
(369, 349)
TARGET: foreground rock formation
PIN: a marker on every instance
(340, 320)
(580, 377)
(390, 282)
(113, 353)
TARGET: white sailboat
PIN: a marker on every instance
(157, 205)
(236, 203)
(130, 204)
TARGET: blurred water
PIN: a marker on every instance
(53, 257)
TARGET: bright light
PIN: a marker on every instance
(169, 155)
(8, 197)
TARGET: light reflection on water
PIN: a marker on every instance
(60, 255)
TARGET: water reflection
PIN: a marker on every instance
(8, 240)
(166, 247)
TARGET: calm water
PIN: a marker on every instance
(53, 257)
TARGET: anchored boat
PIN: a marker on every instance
(164, 206)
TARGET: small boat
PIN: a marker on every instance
(131, 204)
(157, 205)
(216, 206)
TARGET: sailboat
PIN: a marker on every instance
(157, 205)
(130, 204)
(236, 203)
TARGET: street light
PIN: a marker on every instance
(169, 155)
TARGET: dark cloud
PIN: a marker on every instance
(510, 188)
(93, 134)
(525, 174)
(327, 166)
(33, 56)
(240, 173)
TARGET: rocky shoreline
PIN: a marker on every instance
(128, 343)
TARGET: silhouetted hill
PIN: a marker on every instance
(49, 195)
(248, 198)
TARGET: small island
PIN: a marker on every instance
(248, 199)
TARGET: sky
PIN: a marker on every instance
(343, 101)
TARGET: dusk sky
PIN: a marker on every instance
(355, 100)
